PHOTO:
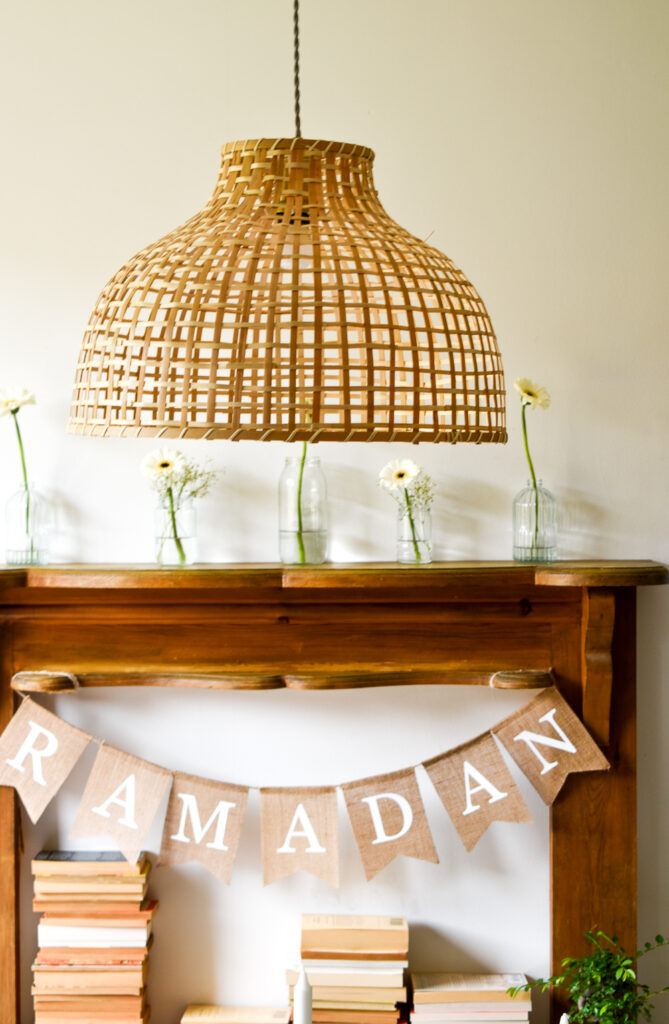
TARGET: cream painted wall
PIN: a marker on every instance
(530, 139)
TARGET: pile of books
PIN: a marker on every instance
(355, 966)
(236, 1015)
(469, 998)
(94, 937)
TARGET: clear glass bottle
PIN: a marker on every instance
(534, 525)
(414, 535)
(29, 521)
(176, 536)
(303, 535)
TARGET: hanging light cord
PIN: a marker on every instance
(296, 41)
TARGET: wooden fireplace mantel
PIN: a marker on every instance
(320, 627)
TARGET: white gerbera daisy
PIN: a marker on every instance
(532, 394)
(163, 462)
(398, 473)
(12, 398)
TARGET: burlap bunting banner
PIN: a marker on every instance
(299, 825)
(299, 832)
(121, 799)
(548, 741)
(388, 819)
(203, 822)
(38, 751)
(476, 788)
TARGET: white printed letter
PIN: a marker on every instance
(471, 772)
(36, 754)
(127, 803)
(307, 832)
(404, 806)
(532, 738)
(190, 809)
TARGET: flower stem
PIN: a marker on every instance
(15, 414)
(300, 539)
(534, 482)
(416, 548)
(173, 518)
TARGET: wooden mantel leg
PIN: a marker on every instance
(593, 820)
(9, 859)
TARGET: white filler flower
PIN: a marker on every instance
(12, 398)
(533, 395)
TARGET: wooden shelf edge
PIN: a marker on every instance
(349, 576)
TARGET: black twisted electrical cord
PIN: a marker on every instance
(296, 40)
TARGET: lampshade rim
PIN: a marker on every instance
(294, 144)
(297, 433)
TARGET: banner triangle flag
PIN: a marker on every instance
(548, 741)
(476, 788)
(388, 819)
(203, 822)
(38, 751)
(299, 832)
(121, 799)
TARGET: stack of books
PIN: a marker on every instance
(355, 966)
(469, 998)
(94, 937)
(236, 1015)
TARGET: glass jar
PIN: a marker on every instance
(534, 525)
(176, 538)
(303, 513)
(28, 522)
(414, 534)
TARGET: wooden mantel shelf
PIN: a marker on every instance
(314, 627)
(586, 573)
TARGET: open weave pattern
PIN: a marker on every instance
(291, 308)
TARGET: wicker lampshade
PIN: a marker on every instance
(291, 308)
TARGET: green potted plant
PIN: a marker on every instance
(603, 985)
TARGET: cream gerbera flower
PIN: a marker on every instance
(398, 473)
(163, 462)
(532, 394)
(12, 398)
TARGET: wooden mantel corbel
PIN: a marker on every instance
(598, 617)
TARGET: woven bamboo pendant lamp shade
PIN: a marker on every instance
(291, 308)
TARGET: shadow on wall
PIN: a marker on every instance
(583, 526)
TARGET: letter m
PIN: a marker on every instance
(219, 817)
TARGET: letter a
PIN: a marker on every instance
(404, 806)
(307, 832)
(36, 754)
(470, 772)
(190, 809)
(127, 803)
(533, 738)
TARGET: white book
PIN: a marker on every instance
(95, 937)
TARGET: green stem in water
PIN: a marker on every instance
(15, 414)
(173, 519)
(416, 548)
(534, 482)
(300, 539)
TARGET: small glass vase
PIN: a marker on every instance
(414, 535)
(305, 542)
(534, 525)
(176, 538)
(28, 521)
